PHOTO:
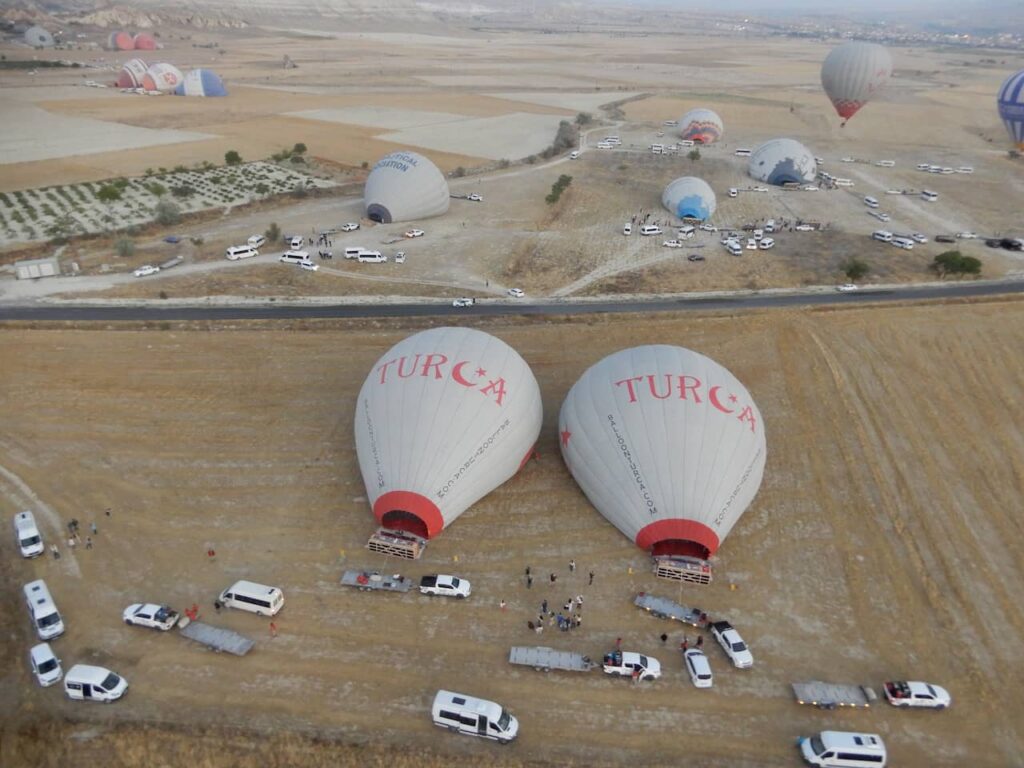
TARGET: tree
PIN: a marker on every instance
(558, 188)
(108, 193)
(955, 263)
(231, 157)
(584, 118)
(459, 172)
(273, 233)
(166, 211)
(125, 247)
(62, 228)
(854, 269)
(694, 155)
(262, 189)
(299, 149)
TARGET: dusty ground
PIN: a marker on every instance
(884, 543)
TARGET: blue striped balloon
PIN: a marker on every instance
(1011, 107)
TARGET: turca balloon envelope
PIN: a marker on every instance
(443, 418)
(667, 444)
(853, 73)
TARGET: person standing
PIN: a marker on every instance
(93, 528)
(55, 551)
(273, 629)
(88, 542)
(591, 582)
(553, 578)
(664, 638)
(572, 565)
(700, 641)
(683, 646)
(544, 606)
(529, 581)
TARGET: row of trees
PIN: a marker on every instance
(946, 263)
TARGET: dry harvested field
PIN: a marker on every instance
(885, 542)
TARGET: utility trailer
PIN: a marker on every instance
(217, 638)
(372, 580)
(664, 608)
(545, 659)
(833, 695)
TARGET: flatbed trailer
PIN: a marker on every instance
(664, 608)
(372, 580)
(217, 638)
(834, 695)
(545, 659)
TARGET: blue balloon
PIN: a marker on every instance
(201, 82)
(1011, 107)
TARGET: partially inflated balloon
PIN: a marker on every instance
(853, 73)
(667, 444)
(443, 418)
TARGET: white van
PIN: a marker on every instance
(249, 596)
(686, 142)
(352, 252)
(27, 534)
(742, 153)
(650, 229)
(903, 242)
(839, 182)
(236, 252)
(686, 231)
(371, 257)
(42, 610)
(928, 196)
(881, 234)
(294, 257)
(733, 191)
(657, 148)
(870, 202)
(841, 749)
(734, 247)
(476, 717)
(295, 243)
(574, 155)
(769, 226)
(84, 682)
(256, 241)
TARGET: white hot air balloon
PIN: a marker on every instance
(443, 418)
(667, 444)
(853, 73)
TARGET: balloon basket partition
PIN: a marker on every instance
(692, 570)
(397, 544)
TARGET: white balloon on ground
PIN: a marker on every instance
(444, 417)
(667, 444)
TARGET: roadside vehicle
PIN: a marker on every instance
(371, 257)
(928, 196)
(751, 244)
(236, 252)
(352, 226)
(574, 155)
(672, 244)
(758, 234)
(150, 615)
(89, 683)
(309, 266)
(460, 713)
(353, 251)
(903, 242)
(766, 243)
(695, 257)
(769, 226)
(846, 287)
(45, 665)
(879, 215)
(26, 533)
(965, 236)
(626, 662)
(965, 169)
(917, 237)
(733, 191)
(475, 198)
(255, 598)
(698, 668)
(603, 145)
(256, 241)
(843, 182)
(901, 693)
(946, 171)
(760, 189)
(847, 160)
(372, 581)
(841, 749)
(732, 644)
(945, 239)
(146, 270)
(294, 257)
(742, 152)
(708, 228)
(669, 122)
(465, 301)
(803, 228)
(447, 586)
(657, 149)
(686, 143)
(923, 166)
(627, 228)
(870, 202)
(734, 247)
(400, 257)
(650, 229)
(295, 242)
(43, 611)
(613, 140)
(809, 188)
(886, 163)
(883, 235)
(415, 233)
(515, 293)
(686, 231)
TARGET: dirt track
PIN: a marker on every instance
(884, 541)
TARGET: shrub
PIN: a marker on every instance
(584, 118)
(183, 190)
(364, 165)
(459, 172)
(125, 247)
(273, 233)
(231, 157)
(166, 212)
(299, 149)
(108, 194)
(503, 163)
(955, 263)
(694, 154)
(558, 188)
(155, 189)
(854, 269)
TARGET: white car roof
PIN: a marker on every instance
(41, 653)
(88, 673)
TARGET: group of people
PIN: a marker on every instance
(75, 537)
(571, 615)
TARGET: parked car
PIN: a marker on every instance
(751, 244)
(733, 192)
(672, 244)
(465, 301)
(917, 694)
(146, 270)
(400, 257)
(945, 239)
(766, 243)
(627, 228)
(150, 615)
(732, 644)
(86, 682)
(352, 226)
(574, 155)
(803, 228)
(516, 293)
(447, 586)
(966, 235)
(695, 257)
(917, 237)
(698, 667)
(309, 266)
(846, 287)
(708, 228)
(45, 665)
(415, 233)
(475, 198)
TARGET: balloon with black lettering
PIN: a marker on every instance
(444, 417)
(667, 444)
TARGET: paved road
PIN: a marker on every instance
(270, 311)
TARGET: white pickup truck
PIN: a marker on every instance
(150, 615)
(916, 694)
(626, 662)
(732, 644)
(447, 586)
